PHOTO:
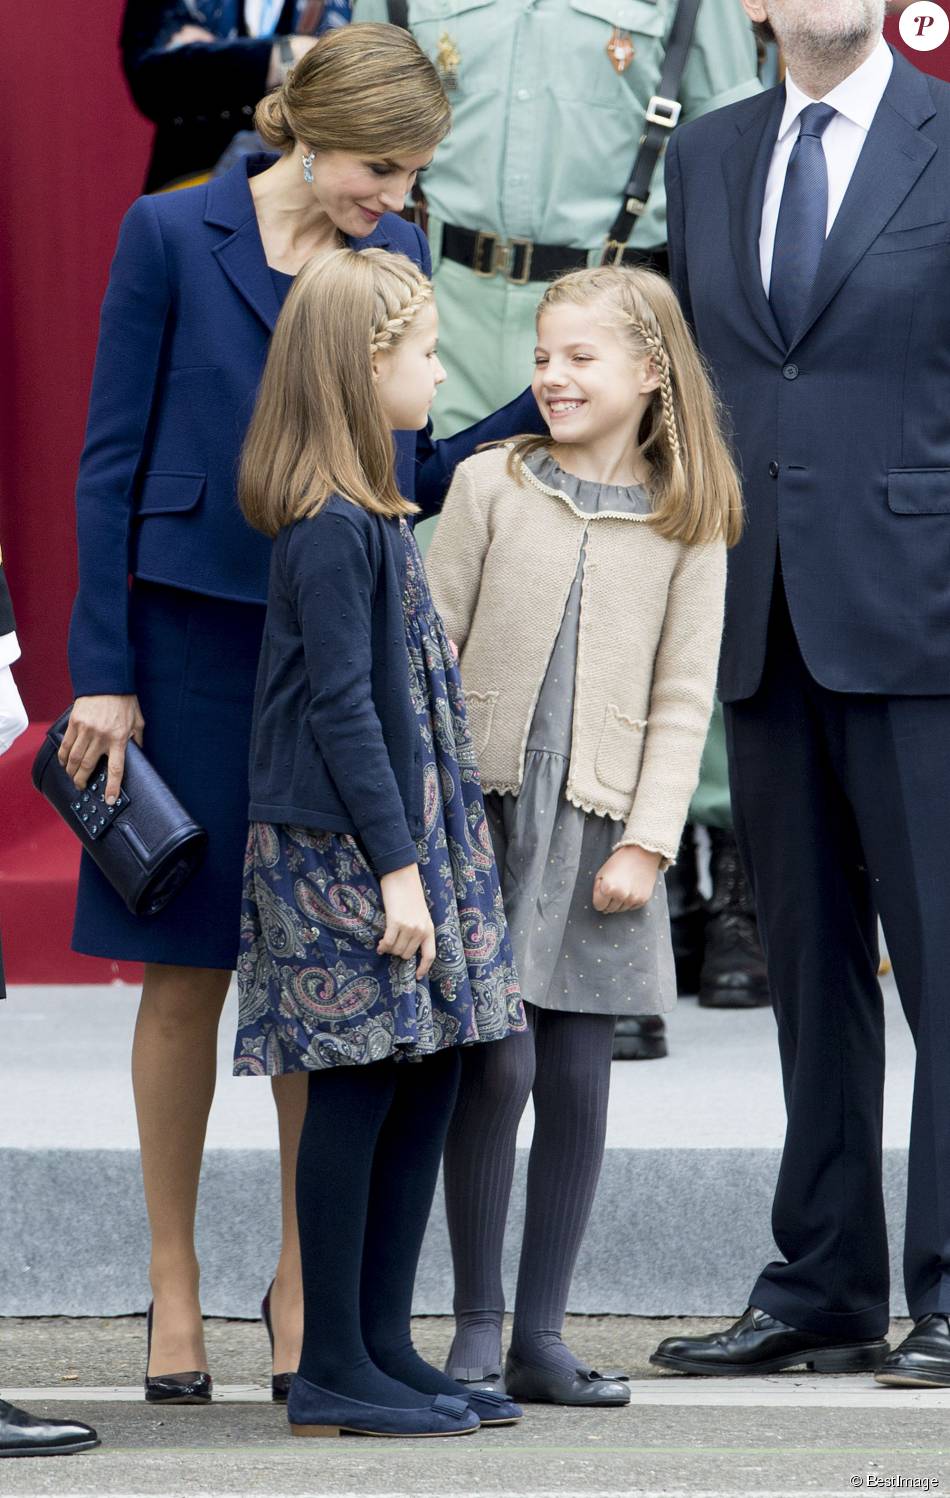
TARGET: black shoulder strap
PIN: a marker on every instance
(397, 12)
(663, 112)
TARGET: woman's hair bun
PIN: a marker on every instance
(270, 121)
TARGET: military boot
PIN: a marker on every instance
(733, 971)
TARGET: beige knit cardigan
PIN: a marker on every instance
(501, 567)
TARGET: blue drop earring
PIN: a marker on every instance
(308, 167)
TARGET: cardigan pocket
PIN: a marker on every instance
(480, 711)
(620, 751)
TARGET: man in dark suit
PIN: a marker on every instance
(22, 1434)
(809, 234)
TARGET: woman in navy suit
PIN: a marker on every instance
(170, 659)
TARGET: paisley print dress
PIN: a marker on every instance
(313, 991)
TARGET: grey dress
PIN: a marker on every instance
(549, 851)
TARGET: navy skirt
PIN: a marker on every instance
(195, 670)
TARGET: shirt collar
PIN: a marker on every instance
(856, 97)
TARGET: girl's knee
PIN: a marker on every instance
(499, 1073)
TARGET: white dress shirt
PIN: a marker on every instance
(856, 99)
(261, 16)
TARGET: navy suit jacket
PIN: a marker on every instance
(843, 437)
(184, 333)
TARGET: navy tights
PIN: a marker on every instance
(366, 1174)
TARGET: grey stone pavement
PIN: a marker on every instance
(679, 1438)
(64, 1088)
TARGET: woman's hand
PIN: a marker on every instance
(626, 881)
(98, 726)
(409, 927)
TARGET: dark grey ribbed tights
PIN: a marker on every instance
(564, 1061)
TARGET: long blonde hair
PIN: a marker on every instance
(694, 487)
(366, 89)
(318, 426)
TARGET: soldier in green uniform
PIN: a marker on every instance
(550, 99)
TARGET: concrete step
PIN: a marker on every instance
(680, 1225)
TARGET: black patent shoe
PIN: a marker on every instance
(533, 1385)
(22, 1434)
(922, 1361)
(640, 1037)
(758, 1343)
(280, 1382)
(174, 1388)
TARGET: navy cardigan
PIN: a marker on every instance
(334, 742)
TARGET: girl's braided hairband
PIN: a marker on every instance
(385, 336)
(657, 350)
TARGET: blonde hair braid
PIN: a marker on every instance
(649, 334)
(388, 333)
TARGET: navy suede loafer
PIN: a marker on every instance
(492, 1407)
(313, 1411)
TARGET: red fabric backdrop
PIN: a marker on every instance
(74, 157)
(936, 62)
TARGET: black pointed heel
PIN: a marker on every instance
(174, 1388)
(280, 1382)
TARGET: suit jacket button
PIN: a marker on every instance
(773, 469)
(790, 371)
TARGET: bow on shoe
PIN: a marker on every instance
(447, 1404)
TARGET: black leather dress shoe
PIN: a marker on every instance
(534, 1385)
(923, 1359)
(757, 1343)
(22, 1434)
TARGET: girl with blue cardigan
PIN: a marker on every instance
(373, 939)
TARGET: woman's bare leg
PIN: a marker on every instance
(174, 1057)
(290, 1096)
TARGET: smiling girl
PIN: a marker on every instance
(582, 578)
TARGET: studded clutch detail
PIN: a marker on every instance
(146, 845)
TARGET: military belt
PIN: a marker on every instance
(522, 260)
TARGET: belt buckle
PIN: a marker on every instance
(614, 251)
(515, 244)
(665, 112)
(496, 257)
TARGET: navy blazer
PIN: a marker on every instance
(843, 436)
(335, 743)
(184, 332)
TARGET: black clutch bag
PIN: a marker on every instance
(147, 845)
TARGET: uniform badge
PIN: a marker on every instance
(448, 60)
(620, 50)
